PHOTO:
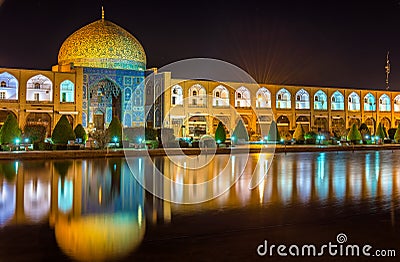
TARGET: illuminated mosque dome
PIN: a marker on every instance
(103, 44)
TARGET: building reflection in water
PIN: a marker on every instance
(96, 207)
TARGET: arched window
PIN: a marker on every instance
(39, 88)
(198, 96)
(177, 95)
(354, 102)
(369, 102)
(320, 100)
(397, 103)
(302, 99)
(242, 97)
(337, 101)
(384, 103)
(263, 98)
(8, 87)
(283, 100)
(67, 92)
(220, 96)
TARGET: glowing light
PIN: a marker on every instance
(17, 141)
(100, 194)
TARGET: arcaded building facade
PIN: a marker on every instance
(193, 108)
(100, 75)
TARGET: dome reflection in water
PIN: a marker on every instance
(106, 218)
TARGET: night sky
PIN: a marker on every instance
(324, 43)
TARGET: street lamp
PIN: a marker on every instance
(115, 140)
(233, 140)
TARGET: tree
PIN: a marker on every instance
(101, 137)
(240, 132)
(298, 134)
(35, 133)
(364, 130)
(354, 134)
(397, 135)
(150, 133)
(273, 134)
(10, 131)
(80, 133)
(380, 133)
(115, 130)
(220, 134)
(63, 132)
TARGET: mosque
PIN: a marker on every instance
(100, 73)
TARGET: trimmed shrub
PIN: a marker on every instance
(10, 130)
(380, 132)
(273, 134)
(150, 133)
(80, 133)
(115, 130)
(391, 132)
(35, 133)
(240, 132)
(63, 132)
(354, 135)
(220, 133)
(298, 134)
(397, 135)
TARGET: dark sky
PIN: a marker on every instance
(329, 43)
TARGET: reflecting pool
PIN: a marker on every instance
(95, 210)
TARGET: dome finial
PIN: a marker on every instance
(102, 12)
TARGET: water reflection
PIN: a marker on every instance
(98, 211)
(95, 207)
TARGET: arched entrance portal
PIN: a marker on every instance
(353, 121)
(304, 121)
(283, 124)
(338, 126)
(104, 103)
(370, 122)
(197, 126)
(321, 124)
(40, 119)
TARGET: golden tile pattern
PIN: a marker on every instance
(103, 44)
